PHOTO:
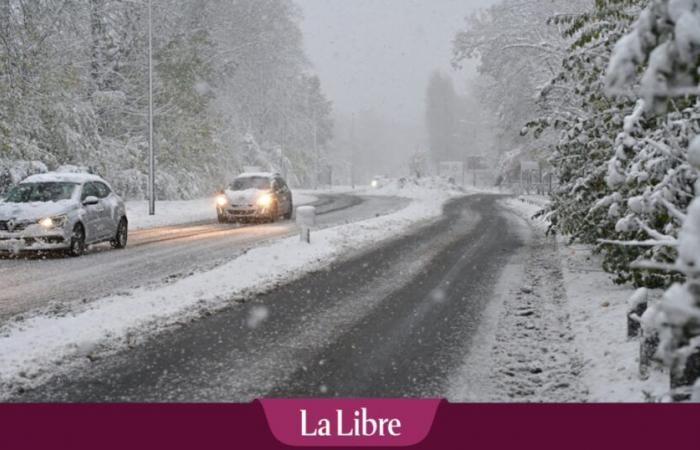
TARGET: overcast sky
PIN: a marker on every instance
(378, 54)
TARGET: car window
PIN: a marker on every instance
(102, 190)
(89, 190)
(243, 183)
(40, 192)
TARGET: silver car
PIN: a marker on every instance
(61, 211)
(255, 197)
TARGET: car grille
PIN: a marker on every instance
(19, 226)
(242, 212)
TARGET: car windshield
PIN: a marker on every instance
(241, 184)
(41, 192)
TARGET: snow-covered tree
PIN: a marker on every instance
(586, 205)
(519, 51)
(665, 41)
(74, 89)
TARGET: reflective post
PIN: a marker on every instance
(306, 219)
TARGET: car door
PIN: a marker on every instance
(108, 219)
(93, 213)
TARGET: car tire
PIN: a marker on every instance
(222, 219)
(122, 235)
(77, 241)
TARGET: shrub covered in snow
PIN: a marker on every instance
(666, 41)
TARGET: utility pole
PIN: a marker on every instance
(317, 157)
(151, 154)
(352, 151)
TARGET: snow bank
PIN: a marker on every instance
(598, 310)
(420, 188)
(527, 206)
(30, 351)
(188, 211)
(598, 313)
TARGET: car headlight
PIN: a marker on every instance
(53, 222)
(265, 200)
(221, 200)
(375, 184)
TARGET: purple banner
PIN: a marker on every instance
(455, 426)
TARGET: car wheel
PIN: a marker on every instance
(77, 241)
(221, 218)
(122, 236)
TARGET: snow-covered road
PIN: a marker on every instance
(397, 320)
(156, 256)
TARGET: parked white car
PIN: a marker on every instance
(61, 211)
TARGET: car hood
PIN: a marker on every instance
(34, 211)
(247, 197)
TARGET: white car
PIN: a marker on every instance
(255, 196)
(61, 211)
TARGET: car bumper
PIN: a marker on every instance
(26, 242)
(233, 212)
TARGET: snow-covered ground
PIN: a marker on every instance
(31, 350)
(597, 312)
(189, 211)
(524, 348)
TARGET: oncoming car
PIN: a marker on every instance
(61, 211)
(378, 181)
(255, 197)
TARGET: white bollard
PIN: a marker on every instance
(306, 218)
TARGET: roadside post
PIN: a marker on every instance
(306, 218)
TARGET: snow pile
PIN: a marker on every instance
(597, 309)
(524, 349)
(530, 207)
(31, 350)
(420, 188)
(170, 212)
(179, 212)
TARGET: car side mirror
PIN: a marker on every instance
(91, 200)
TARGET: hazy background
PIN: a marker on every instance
(374, 58)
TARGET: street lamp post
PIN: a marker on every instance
(317, 155)
(151, 154)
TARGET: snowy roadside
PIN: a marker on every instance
(189, 211)
(33, 350)
(597, 312)
(524, 348)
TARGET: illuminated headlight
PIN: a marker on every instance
(265, 200)
(53, 222)
(375, 184)
(221, 200)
